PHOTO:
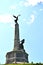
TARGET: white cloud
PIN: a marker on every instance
(13, 7)
(5, 18)
(32, 18)
(24, 19)
(21, 3)
(32, 2)
(41, 9)
(26, 4)
(12, 25)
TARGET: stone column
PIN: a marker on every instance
(16, 38)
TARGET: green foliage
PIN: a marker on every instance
(24, 64)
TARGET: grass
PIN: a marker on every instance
(25, 64)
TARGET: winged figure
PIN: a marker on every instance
(21, 44)
(22, 41)
(16, 18)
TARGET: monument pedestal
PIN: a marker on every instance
(17, 56)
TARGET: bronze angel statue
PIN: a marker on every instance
(16, 18)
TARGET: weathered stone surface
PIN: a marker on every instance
(16, 38)
(16, 56)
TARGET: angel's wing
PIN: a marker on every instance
(14, 16)
(19, 15)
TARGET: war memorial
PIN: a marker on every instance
(18, 54)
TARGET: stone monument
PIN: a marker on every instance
(18, 54)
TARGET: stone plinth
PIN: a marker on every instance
(16, 57)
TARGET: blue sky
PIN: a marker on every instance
(30, 25)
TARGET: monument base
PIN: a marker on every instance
(16, 56)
